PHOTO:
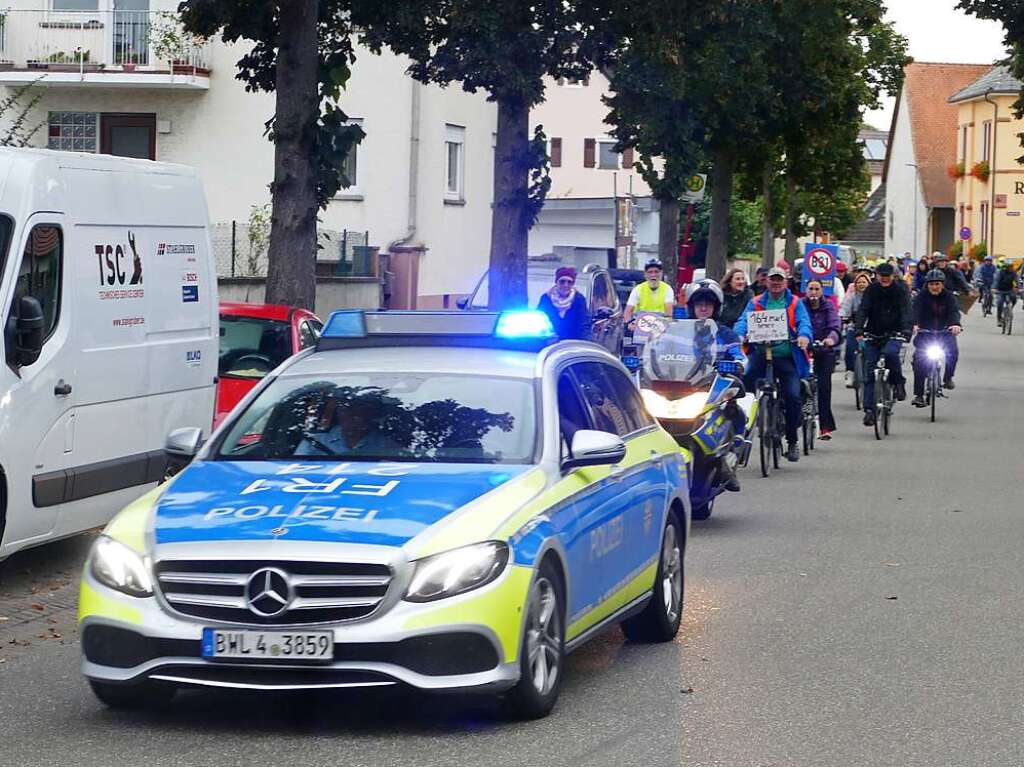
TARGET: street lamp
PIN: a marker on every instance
(914, 166)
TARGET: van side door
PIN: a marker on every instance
(37, 430)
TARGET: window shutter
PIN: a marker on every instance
(556, 153)
(627, 158)
(589, 151)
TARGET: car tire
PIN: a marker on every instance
(132, 696)
(661, 618)
(542, 653)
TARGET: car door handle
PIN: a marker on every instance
(657, 458)
(62, 389)
(615, 473)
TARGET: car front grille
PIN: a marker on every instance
(320, 592)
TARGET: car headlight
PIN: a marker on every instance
(686, 409)
(936, 353)
(457, 571)
(115, 565)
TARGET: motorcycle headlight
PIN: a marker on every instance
(115, 565)
(936, 353)
(686, 409)
(457, 571)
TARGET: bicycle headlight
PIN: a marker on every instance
(457, 571)
(686, 409)
(115, 565)
(936, 353)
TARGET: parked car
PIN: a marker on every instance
(109, 315)
(255, 339)
(593, 281)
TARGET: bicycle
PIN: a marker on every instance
(1004, 312)
(858, 370)
(885, 398)
(809, 412)
(935, 356)
(986, 300)
(771, 423)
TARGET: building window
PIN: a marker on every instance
(607, 157)
(128, 135)
(73, 131)
(983, 234)
(76, 5)
(986, 145)
(963, 217)
(455, 162)
(963, 143)
(555, 152)
(892, 223)
(350, 167)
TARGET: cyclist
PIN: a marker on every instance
(984, 278)
(789, 361)
(884, 311)
(1006, 285)
(847, 313)
(651, 295)
(955, 280)
(843, 274)
(825, 321)
(935, 308)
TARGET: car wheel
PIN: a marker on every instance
(542, 657)
(129, 696)
(659, 621)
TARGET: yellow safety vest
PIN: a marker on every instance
(653, 300)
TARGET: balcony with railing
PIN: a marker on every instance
(119, 48)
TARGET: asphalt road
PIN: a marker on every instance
(860, 608)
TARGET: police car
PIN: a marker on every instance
(449, 501)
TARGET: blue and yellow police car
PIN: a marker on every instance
(449, 501)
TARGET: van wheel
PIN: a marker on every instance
(131, 696)
(659, 621)
(542, 657)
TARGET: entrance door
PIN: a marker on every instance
(128, 135)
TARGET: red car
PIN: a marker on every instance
(255, 339)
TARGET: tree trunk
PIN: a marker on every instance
(510, 226)
(768, 223)
(792, 249)
(291, 278)
(668, 239)
(721, 203)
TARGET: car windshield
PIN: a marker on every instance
(537, 284)
(250, 347)
(388, 417)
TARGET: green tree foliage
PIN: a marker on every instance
(1009, 13)
(302, 50)
(503, 49)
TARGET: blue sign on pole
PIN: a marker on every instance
(820, 264)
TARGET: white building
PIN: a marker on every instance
(598, 202)
(422, 176)
(920, 195)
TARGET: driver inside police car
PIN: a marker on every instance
(349, 424)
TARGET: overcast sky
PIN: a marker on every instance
(939, 32)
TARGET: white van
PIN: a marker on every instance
(109, 300)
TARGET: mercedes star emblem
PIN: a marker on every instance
(268, 592)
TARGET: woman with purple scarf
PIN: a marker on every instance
(566, 307)
(827, 329)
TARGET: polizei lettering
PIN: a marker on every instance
(305, 512)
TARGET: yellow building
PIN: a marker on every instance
(990, 192)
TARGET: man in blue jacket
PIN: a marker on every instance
(789, 358)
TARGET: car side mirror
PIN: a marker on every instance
(604, 313)
(25, 332)
(181, 447)
(463, 302)
(594, 448)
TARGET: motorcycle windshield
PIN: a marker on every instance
(684, 352)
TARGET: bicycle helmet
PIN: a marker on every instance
(935, 275)
(653, 263)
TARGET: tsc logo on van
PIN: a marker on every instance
(118, 269)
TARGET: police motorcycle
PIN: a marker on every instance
(700, 400)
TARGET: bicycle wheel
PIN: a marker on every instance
(933, 389)
(1008, 323)
(858, 382)
(764, 433)
(886, 418)
(880, 399)
(777, 432)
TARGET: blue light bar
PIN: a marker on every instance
(345, 324)
(524, 324)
